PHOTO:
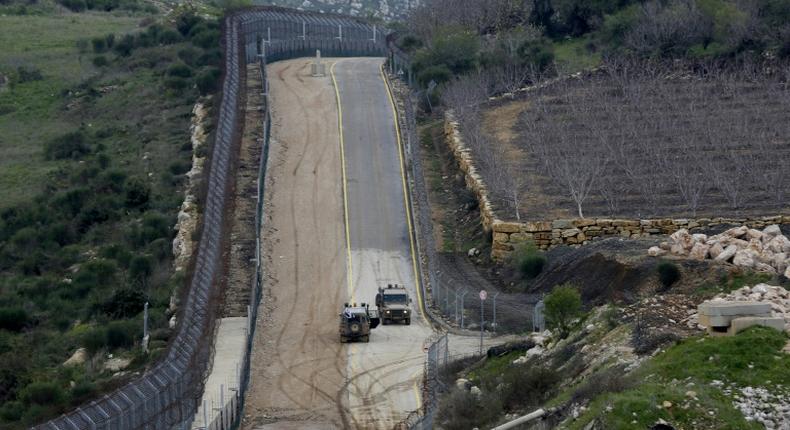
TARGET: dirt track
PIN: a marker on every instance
(298, 366)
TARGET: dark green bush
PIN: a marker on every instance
(42, 393)
(124, 303)
(99, 44)
(70, 145)
(138, 194)
(140, 268)
(82, 392)
(563, 305)
(668, 273)
(125, 46)
(462, 410)
(12, 411)
(528, 386)
(100, 61)
(94, 340)
(111, 181)
(169, 37)
(121, 334)
(438, 73)
(208, 80)
(211, 57)
(176, 84)
(180, 70)
(528, 260)
(13, 318)
(207, 39)
(74, 5)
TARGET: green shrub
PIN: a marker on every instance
(180, 70)
(74, 5)
(82, 392)
(121, 334)
(124, 303)
(668, 273)
(138, 194)
(70, 145)
(100, 61)
(528, 260)
(125, 46)
(563, 305)
(176, 84)
(169, 37)
(438, 73)
(42, 393)
(94, 339)
(211, 57)
(13, 318)
(140, 268)
(207, 39)
(12, 411)
(462, 410)
(528, 386)
(208, 80)
(99, 44)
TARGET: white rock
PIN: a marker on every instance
(461, 383)
(699, 251)
(590, 327)
(754, 234)
(760, 288)
(116, 364)
(787, 271)
(79, 357)
(535, 352)
(715, 250)
(764, 268)
(728, 253)
(472, 253)
(772, 231)
(778, 244)
(699, 237)
(655, 251)
(476, 391)
(743, 258)
(737, 231)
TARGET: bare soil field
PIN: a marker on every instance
(646, 143)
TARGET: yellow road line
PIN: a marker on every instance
(412, 234)
(416, 388)
(349, 265)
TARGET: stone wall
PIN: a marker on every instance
(574, 232)
(473, 180)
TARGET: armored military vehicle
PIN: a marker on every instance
(356, 322)
(393, 303)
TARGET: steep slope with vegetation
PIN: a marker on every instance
(95, 109)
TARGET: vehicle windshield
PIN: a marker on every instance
(396, 298)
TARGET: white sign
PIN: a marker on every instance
(483, 294)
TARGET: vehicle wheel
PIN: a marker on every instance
(385, 321)
(343, 340)
(366, 339)
(408, 321)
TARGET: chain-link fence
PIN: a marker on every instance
(167, 395)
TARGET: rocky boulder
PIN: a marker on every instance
(766, 251)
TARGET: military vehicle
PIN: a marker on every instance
(356, 322)
(393, 303)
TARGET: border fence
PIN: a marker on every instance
(166, 396)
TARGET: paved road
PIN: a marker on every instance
(387, 369)
(302, 377)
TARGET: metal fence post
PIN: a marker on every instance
(493, 324)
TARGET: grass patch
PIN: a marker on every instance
(752, 358)
(731, 282)
(572, 55)
(49, 44)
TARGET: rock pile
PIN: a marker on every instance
(778, 297)
(769, 408)
(765, 251)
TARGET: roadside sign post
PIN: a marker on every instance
(483, 296)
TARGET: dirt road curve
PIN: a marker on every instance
(302, 376)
